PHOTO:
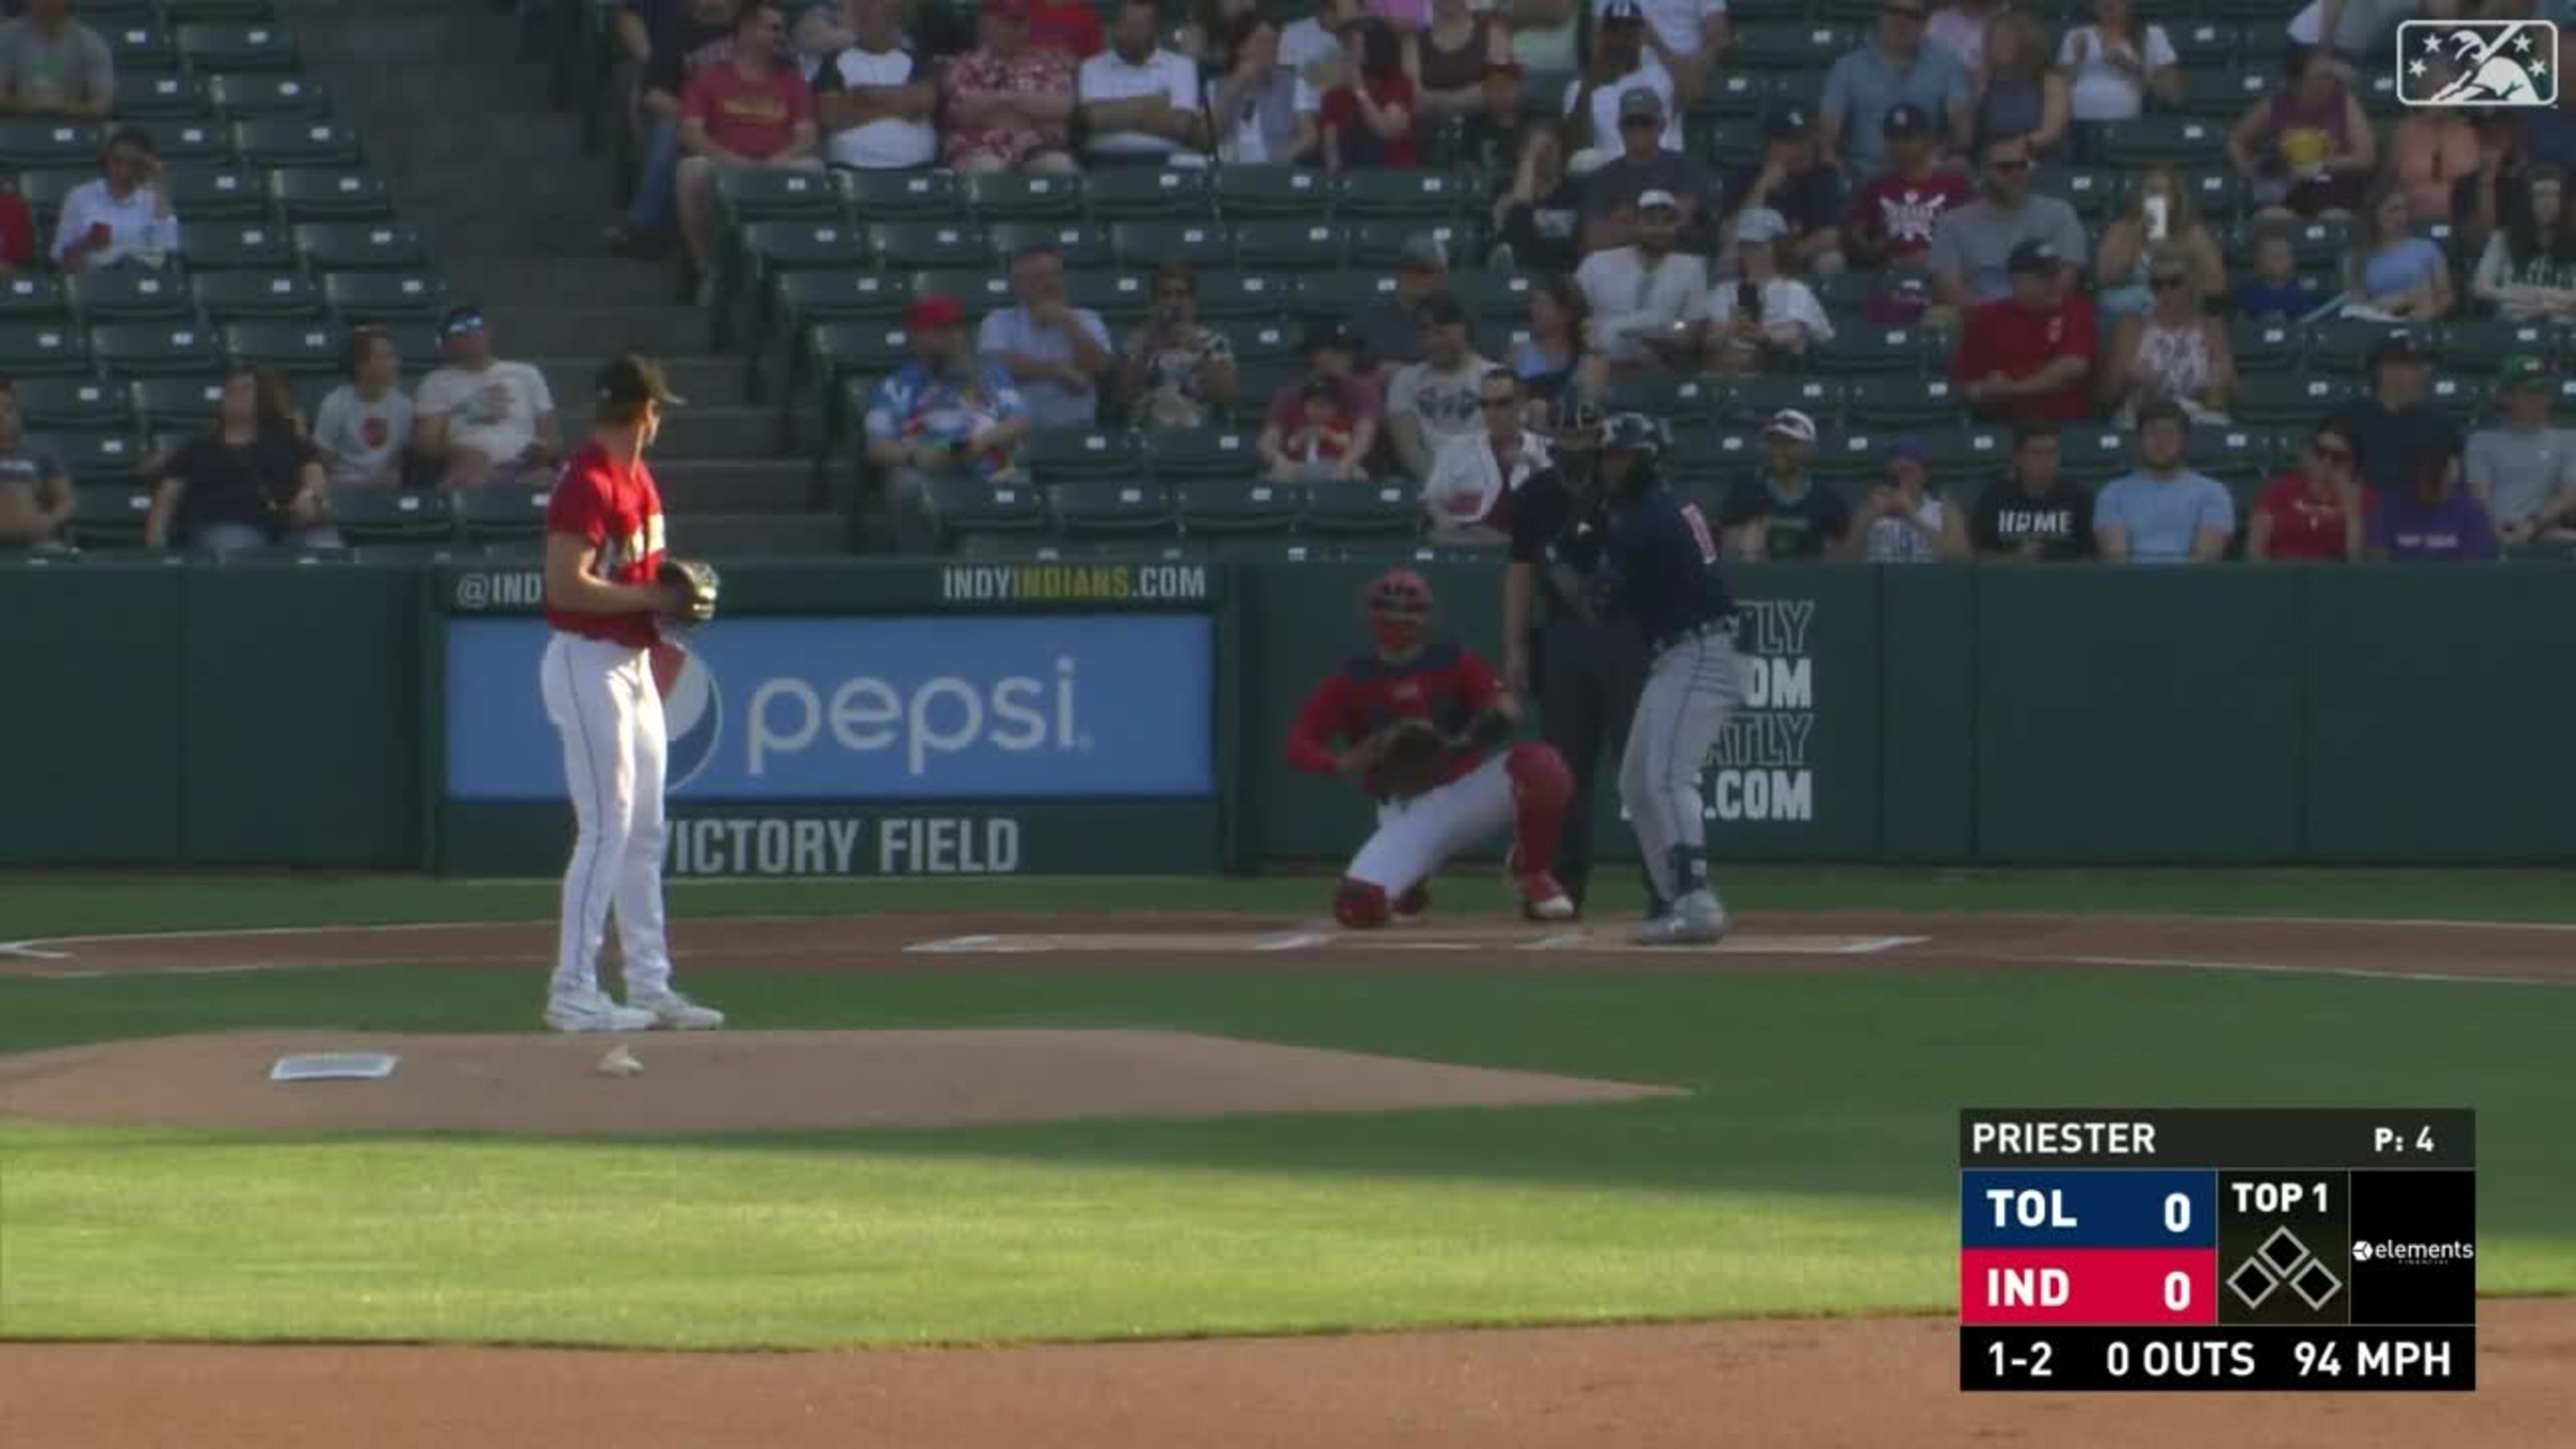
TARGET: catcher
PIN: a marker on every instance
(1427, 728)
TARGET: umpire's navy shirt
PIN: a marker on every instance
(1660, 566)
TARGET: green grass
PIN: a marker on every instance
(1811, 1171)
(35, 905)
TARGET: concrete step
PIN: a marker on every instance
(739, 536)
(698, 432)
(554, 329)
(432, 35)
(704, 381)
(733, 485)
(488, 268)
(521, 146)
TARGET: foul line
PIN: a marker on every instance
(2265, 968)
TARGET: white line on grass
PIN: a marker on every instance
(2264, 968)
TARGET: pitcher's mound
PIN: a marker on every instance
(718, 1082)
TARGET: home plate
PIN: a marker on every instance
(1496, 938)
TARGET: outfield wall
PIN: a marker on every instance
(1092, 717)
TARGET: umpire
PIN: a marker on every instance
(1586, 669)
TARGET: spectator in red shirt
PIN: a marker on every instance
(2029, 355)
(1893, 217)
(752, 109)
(1066, 25)
(1345, 401)
(17, 231)
(2316, 513)
(1006, 105)
(1371, 120)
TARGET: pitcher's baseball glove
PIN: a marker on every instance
(1410, 758)
(696, 583)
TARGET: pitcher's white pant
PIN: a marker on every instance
(603, 702)
(1691, 688)
(1414, 837)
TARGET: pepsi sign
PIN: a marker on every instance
(1050, 707)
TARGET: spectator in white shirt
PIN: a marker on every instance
(1137, 102)
(124, 215)
(1762, 320)
(1647, 299)
(52, 65)
(874, 98)
(1688, 36)
(363, 427)
(482, 420)
(2113, 63)
(1620, 63)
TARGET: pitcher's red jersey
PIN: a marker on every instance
(1445, 684)
(618, 510)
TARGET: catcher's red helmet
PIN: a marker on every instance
(1400, 593)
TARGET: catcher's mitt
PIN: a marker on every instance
(696, 584)
(1410, 754)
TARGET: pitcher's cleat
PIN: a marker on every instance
(593, 1011)
(1542, 899)
(1411, 908)
(1695, 920)
(671, 1011)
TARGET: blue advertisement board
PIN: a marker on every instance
(1053, 707)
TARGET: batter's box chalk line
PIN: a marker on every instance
(1496, 938)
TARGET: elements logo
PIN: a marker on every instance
(2477, 64)
(692, 710)
(2283, 1259)
(2413, 1253)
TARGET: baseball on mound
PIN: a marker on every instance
(619, 1063)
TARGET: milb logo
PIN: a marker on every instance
(2477, 64)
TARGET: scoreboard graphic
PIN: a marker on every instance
(2217, 1249)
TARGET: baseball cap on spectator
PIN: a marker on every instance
(1422, 252)
(2034, 256)
(1905, 119)
(2524, 372)
(1641, 103)
(460, 321)
(1757, 224)
(634, 378)
(2397, 346)
(1623, 12)
(1793, 424)
(1324, 336)
(2162, 410)
(1909, 449)
(1440, 310)
(1650, 200)
(135, 136)
(1784, 119)
(928, 314)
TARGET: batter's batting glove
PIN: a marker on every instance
(695, 583)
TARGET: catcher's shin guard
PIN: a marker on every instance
(1360, 906)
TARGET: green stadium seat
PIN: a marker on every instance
(902, 195)
(236, 246)
(418, 345)
(2233, 454)
(110, 516)
(1121, 298)
(2158, 140)
(1792, 47)
(31, 296)
(2201, 44)
(1492, 296)
(1078, 244)
(288, 143)
(834, 356)
(392, 515)
(1237, 508)
(137, 48)
(496, 512)
(1282, 192)
(2469, 399)
(1732, 95)
(2483, 341)
(925, 243)
(2342, 345)
(1428, 196)
(252, 296)
(770, 193)
(1677, 399)
(1335, 296)
(1751, 401)
(1134, 192)
(1204, 245)
(1967, 450)
(348, 246)
(1109, 507)
(246, 12)
(385, 298)
(1284, 244)
(72, 404)
(1849, 463)
(150, 99)
(176, 404)
(255, 47)
(1875, 349)
(1362, 508)
(1180, 457)
(775, 247)
(834, 295)
(2313, 244)
(97, 457)
(1257, 380)
(44, 192)
(154, 349)
(2096, 194)
(311, 194)
(219, 193)
(1376, 244)
(2093, 454)
(1261, 341)
(290, 347)
(2218, 92)
(2288, 400)
(962, 508)
(247, 97)
(977, 289)
(2265, 348)
(42, 349)
(1082, 455)
(1910, 403)
(126, 294)
(195, 143)
(1242, 296)
(996, 196)
(35, 144)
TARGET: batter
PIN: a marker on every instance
(604, 602)
(1659, 572)
(1408, 684)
